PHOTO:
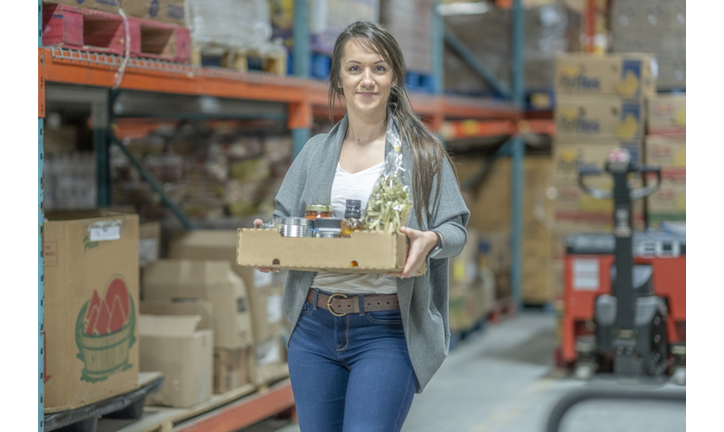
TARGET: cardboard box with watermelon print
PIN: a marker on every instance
(91, 301)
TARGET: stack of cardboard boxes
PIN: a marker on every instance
(490, 214)
(666, 146)
(600, 106)
(263, 299)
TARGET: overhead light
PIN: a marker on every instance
(462, 8)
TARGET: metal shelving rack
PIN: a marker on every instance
(304, 99)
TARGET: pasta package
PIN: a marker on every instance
(391, 199)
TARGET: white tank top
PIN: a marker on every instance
(354, 186)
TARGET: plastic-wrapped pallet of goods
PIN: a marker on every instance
(328, 18)
(233, 29)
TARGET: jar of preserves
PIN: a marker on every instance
(316, 211)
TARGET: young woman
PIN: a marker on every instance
(359, 371)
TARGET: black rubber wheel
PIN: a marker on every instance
(133, 411)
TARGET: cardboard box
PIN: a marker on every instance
(570, 152)
(217, 245)
(232, 369)
(168, 11)
(149, 243)
(91, 298)
(575, 210)
(209, 280)
(609, 116)
(101, 5)
(180, 348)
(667, 114)
(626, 75)
(669, 199)
(363, 252)
(203, 308)
(669, 153)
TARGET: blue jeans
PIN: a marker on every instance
(350, 373)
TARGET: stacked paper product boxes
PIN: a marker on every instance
(601, 105)
(665, 145)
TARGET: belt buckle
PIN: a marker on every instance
(329, 304)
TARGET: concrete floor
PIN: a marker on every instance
(503, 379)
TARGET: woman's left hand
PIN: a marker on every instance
(421, 243)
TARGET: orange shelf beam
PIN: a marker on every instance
(450, 130)
(245, 412)
(309, 97)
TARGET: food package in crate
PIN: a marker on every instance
(391, 199)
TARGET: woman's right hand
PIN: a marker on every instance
(257, 224)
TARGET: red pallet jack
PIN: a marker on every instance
(625, 293)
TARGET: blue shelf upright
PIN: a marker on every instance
(517, 153)
(41, 277)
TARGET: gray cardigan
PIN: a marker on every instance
(423, 299)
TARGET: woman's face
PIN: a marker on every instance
(366, 78)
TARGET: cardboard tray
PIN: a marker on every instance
(363, 252)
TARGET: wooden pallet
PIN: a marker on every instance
(275, 394)
(238, 59)
(91, 30)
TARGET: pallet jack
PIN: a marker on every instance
(625, 293)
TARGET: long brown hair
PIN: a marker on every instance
(428, 153)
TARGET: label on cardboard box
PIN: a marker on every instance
(627, 75)
(147, 251)
(105, 230)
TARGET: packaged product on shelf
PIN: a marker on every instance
(569, 152)
(328, 18)
(629, 75)
(668, 203)
(667, 114)
(609, 116)
(91, 299)
(669, 153)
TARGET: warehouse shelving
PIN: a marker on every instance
(305, 99)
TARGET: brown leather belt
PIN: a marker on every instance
(340, 304)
